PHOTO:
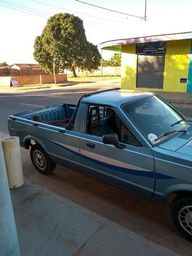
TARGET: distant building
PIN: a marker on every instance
(26, 70)
(4, 71)
(27, 74)
(22, 70)
(160, 62)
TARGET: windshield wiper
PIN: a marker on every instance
(178, 122)
(168, 133)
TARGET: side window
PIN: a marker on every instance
(103, 120)
(124, 134)
(97, 120)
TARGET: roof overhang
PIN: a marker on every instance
(115, 45)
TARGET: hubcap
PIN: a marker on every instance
(185, 218)
(40, 160)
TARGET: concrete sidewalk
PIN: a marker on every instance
(49, 224)
(176, 97)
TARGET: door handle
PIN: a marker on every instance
(91, 145)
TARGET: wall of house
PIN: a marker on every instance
(42, 79)
(28, 80)
(26, 72)
(177, 70)
(176, 65)
(128, 67)
(5, 81)
(101, 71)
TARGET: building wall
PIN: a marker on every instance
(26, 72)
(178, 64)
(5, 81)
(28, 80)
(42, 79)
(128, 67)
(101, 71)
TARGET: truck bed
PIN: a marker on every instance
(57, 115)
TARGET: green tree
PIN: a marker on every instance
(42, 56)
(63, 44)
(114, 61)
(104, 63)
(3, 64)
(92, 59)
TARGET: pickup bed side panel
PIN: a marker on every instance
(55, 140)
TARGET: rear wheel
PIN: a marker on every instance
(41, 160)
(182, 216)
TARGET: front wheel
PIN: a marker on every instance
(41, 160)
(182, 216)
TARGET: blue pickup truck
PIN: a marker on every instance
(135, 141)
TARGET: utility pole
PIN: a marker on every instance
(9, 244)
(145, 11)
(101, 64)
(54, 75)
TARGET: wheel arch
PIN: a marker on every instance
(28, 141)
(178, 190)
(41, 160)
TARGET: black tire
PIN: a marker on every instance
(182, 216)
(41, 160)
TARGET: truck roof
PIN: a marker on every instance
(114, 97)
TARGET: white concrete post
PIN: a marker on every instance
(9, 244)
(40, 79)
(13, 162)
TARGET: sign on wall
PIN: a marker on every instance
(151, 48)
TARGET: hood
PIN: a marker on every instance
(186, 149)
(181, 142)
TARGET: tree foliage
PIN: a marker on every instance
(114, 61)
(64, 43)
(3, 64)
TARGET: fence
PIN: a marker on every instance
(28, 80)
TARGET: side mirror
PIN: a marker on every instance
(112, 139)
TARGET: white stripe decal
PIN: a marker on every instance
(101, 158)
(72, 148)
(110, 161)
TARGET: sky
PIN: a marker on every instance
(22, 20)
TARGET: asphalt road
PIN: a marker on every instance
(144, 217)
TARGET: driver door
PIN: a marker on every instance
(130, 167)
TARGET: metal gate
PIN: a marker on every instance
(150, 70)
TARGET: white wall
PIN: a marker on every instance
(5, 81)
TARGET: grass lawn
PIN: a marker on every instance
(82, 79)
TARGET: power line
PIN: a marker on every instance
(51, 5)
(35, 12)
(21, 8)
(80, 13)
(111, 10)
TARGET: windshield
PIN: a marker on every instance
(155, 119)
